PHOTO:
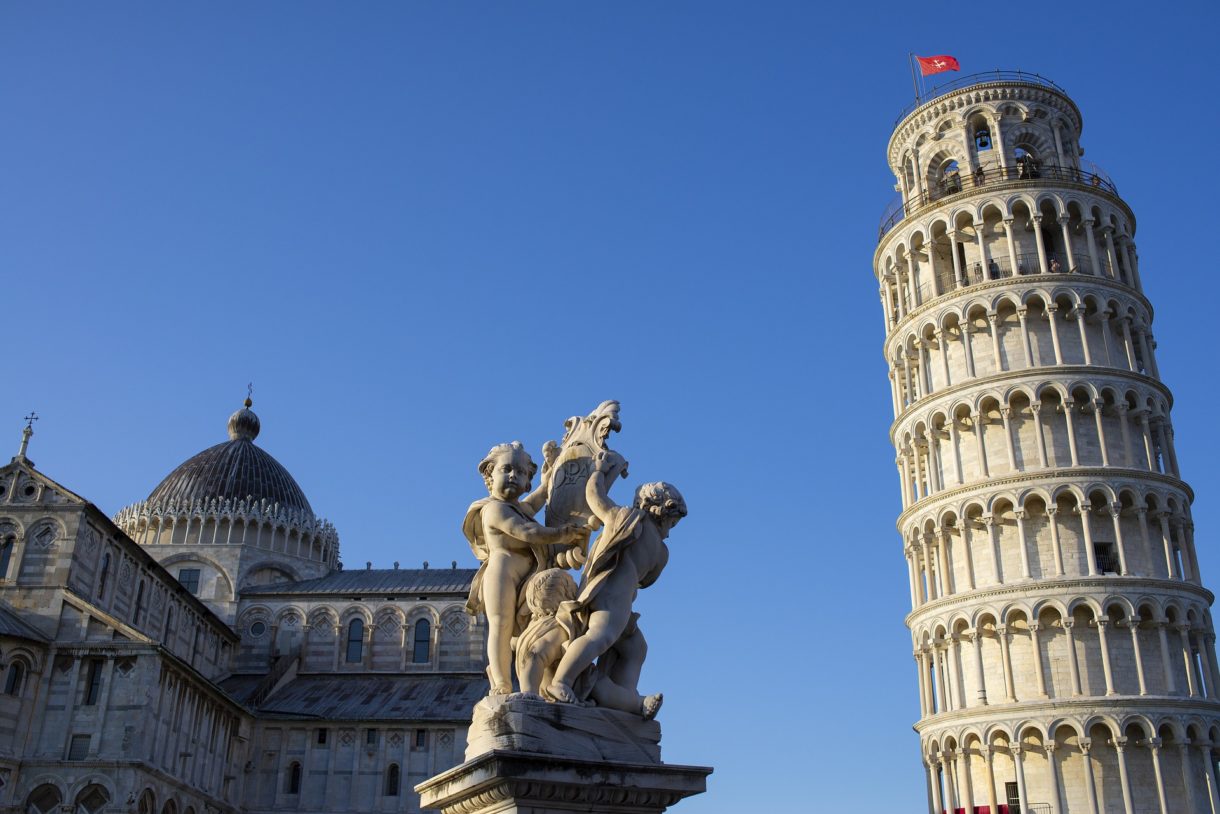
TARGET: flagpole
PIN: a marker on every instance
(914, 82)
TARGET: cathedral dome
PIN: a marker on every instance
(234, 470)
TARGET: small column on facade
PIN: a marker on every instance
(1120, 747)
(934, 785)
(1133, 264)
(1102, 624)
(1128, 343)
(1209, 775)
(1154, 746)
(1052, 769)
(1042, 266)
(1081, 322)
(1171, 567)
(968, 347)
(980, 445)
(1052, 514)
(1060, 156)
(984, 260)
(966, 797)
(946, 563)
(963, 533)
(1073, 660)
(1065, 222)
(1085, 511)
(989, 758)
(993, 321)
(1183, 632)
(1018, 759)
(1036, 652)
(1208, 690)
(1120, 545)
(958, 277)
(1146, 432)
(1111, 256)
(1052, 317)
(1090, 785)
(1141, 515)
(979, 676)
(951, 425)
(994, 545)
(1068, 407)
(1023, 547)
(943, 350)
(1123, 409)
(957, 673)
(1098, 405)
(1006, 415)
(1133, 624)
(1039, 433)
(946, 767)
(1006, 658)
(1171, 685)
(1012, 246)
(1093, 256)
(1026, 346)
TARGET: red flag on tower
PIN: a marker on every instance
(937, 64)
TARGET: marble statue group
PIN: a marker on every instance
(571, 642)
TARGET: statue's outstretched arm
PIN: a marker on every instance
(528, 531)
(606, 469)
(535, 500)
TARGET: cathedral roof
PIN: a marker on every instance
(234, 470)
(12, 625)
(375, 581)
(428, 697)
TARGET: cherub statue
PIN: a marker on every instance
(510, 545)
(540, 646)
(628, 555)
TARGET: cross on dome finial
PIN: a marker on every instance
(244, 424)
(249, 395)
(25, 437)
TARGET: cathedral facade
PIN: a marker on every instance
(204, 651)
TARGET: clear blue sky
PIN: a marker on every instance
(423, 228)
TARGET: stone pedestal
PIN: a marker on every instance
(502, 782)
(526, 756)
(526, 723)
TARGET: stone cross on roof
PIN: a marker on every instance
(25, 436)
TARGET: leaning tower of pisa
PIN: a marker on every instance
(1062, 635)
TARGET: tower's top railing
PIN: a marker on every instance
(977, 79)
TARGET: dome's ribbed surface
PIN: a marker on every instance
(234, 470)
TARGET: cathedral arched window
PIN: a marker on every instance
(355, 641)
(6, 553)
(147, 804)
(92, 799)
(293, 783)
(103, 576)
(423, 642)
(391, 780)
(43, 799)
(14, 678)
(139, 611)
